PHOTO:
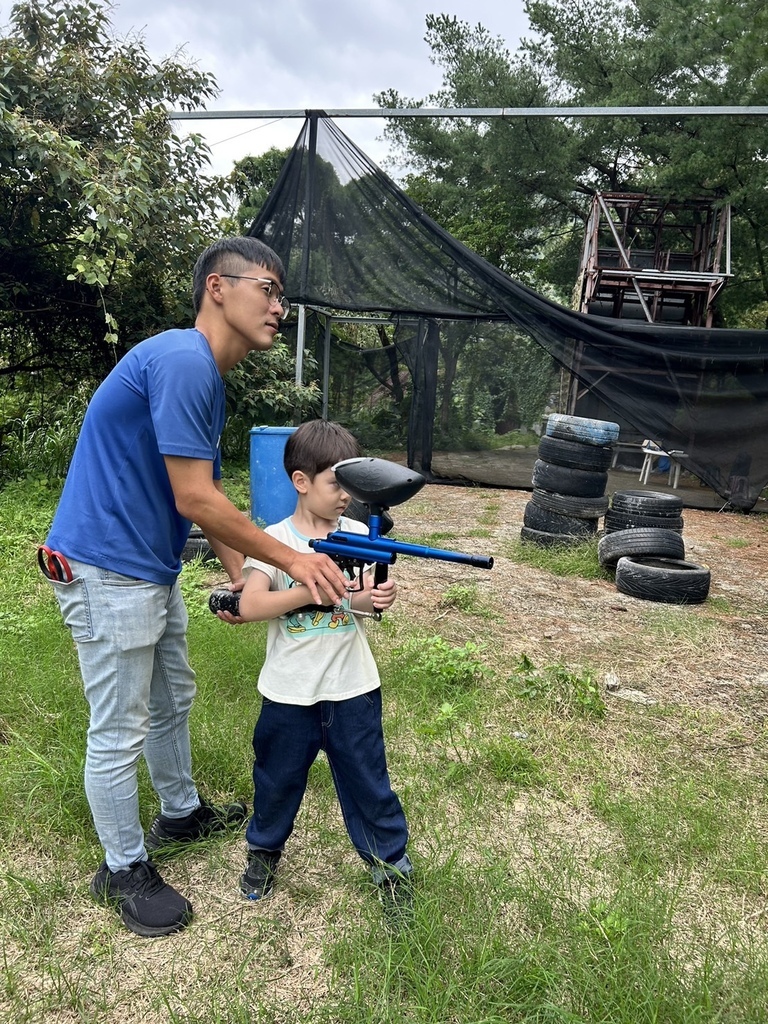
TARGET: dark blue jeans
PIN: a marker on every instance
(286, 741)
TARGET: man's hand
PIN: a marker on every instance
(322, 576)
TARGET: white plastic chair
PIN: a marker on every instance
(652, 451)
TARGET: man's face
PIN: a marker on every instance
(251, 305)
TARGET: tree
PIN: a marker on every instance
(103, 209)
(253, 179)
(499, 187)
(518, 191)
(691, 53)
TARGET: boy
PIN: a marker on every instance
(319, 683)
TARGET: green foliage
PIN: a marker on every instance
(517, 191)
(603, 925)
(466, 598)
(252, 180)
(462, 596)
(40, 441)
(566, 692)
(237, 484)
(262, 391)
(561, 559)
(446, 725)
(510, 761)
(195, 586)
(441, 666)
(103, 208)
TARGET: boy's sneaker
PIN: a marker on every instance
(396, 893)
(146, 904)
(258, 878)
(394, 884)
(206, 820)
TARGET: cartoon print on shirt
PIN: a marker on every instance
(299, 621)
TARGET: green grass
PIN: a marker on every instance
(561, 559)
(578, 860)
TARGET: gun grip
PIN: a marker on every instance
(380, 573)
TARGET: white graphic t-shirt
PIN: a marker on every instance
(313, 655)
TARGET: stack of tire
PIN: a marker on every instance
(569, 481)
(643, 544)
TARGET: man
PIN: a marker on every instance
(147, 464)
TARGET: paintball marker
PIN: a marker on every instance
(379, 484)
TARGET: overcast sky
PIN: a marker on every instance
(303, 54)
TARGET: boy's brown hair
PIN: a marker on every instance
(316, 445)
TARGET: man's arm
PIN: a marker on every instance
(200, 500)
(231, 560)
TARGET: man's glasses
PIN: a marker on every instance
(271, 290)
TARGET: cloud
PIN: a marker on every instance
(302, 54)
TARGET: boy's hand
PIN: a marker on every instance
(225, 603)
(383, 596)
(322, 576)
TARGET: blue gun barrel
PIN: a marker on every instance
(361, 552)
(382, 549)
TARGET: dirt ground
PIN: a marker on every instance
(712, 653)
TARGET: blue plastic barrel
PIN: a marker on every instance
(273, 496)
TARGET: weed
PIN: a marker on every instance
(561, 559)
(195, 583)
(510, 761)
(445, 723)
(563, 690)
(435, 539)
(443, 666)
(464, 598)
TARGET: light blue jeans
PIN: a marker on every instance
(132, 646)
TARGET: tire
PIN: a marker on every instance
(548, 540)
(583, 483)
(197, 547)
(580, 428)
(569, 505)
(575, 454)
(552, 522)
(639, 543)
(669, 580)
(615, 521)
(647, 503)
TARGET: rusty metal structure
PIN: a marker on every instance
(659, 260)
(652, 260)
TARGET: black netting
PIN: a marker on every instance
(351, 240)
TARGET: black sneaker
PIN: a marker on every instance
(205, 821)
(396, 893)
(394, 885)
(258, 878)
(146, 904)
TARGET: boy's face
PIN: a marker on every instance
(325, 497)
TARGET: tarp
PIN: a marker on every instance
(352, 240)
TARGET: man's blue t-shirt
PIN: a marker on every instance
(117, 510)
